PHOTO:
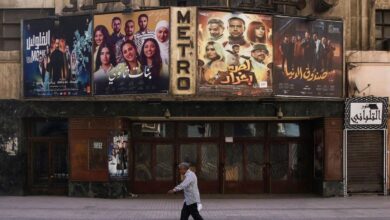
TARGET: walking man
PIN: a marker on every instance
(191, 193)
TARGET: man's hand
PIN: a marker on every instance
(171, 191)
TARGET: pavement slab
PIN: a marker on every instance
(166, 207)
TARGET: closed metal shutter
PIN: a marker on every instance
(365, 161)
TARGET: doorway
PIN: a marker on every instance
(365, 161)
(154, 167)
(227, 157)
(47, 156)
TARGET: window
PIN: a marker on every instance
(198, 130)
(153, 130)
(193, 2)
(221, 3)
(244, 129)
(49, 128)
(10, 25)
(382, 31)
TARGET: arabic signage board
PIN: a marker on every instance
(183, 68)
(234, 53)
(131, 52)
(57, 59)
(366, 113)
(308, 58)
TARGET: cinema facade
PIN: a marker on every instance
(254, 102)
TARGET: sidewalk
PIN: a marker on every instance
(165, 207)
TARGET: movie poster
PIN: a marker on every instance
(117, 156)
(131, 53)
(234, 53)
(57, 59)
(308, 57)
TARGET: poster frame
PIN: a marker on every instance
(343, 81)
(168, 92)
(56, 20)
(198, 72)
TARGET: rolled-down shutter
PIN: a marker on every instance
(365, 161)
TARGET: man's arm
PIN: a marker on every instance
(187, 180)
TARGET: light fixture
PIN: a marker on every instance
(281, 129)
(351, 66)
(167, 114)
(279, 114)
(128, 6)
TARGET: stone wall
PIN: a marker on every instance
(12, 4)
(10, 75)
(13, 166)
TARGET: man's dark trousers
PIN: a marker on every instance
(190, 210)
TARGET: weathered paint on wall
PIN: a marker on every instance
(10, 74)
(12, 4)
(63, 7)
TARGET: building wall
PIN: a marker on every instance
(359, 23)
(10, 75)
(13, 166)
(12, 4)
(13, 176)
(101, 7)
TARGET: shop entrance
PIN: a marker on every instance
(47, 157)
(228, 157)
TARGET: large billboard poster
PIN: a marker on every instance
(308, 57)
(57, 59)
(234, 53)
(131, 52)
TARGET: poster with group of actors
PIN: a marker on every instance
(117, 156)
(238, 54)
(308, 57)
(131, 52)
(234, 53)
(57, 58)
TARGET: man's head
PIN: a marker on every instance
(40, 59)
(216, 27)
(143, 22)
(315, 37)
(307, 35)
(129, 28)
(259, 52)
(116, 24)
(57, 43)
(183, 167)
(236, 27)
(285, 39)
(323, 40)
(236, 48)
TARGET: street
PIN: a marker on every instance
(164, 207)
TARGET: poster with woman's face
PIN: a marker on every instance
(131, 53)
(234, 53)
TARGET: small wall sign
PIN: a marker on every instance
(366, 113)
